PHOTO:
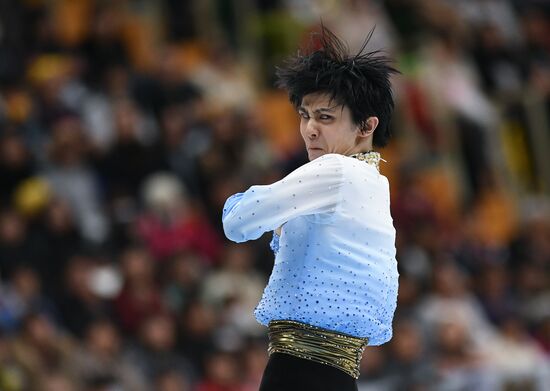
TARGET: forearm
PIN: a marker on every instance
(312, 188)
(248, 215)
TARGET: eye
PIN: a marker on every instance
(324, 117)
(303, 114)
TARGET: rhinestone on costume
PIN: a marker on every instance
(370, 157)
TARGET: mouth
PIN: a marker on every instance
(314, 149)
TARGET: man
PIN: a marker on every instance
(333, 288)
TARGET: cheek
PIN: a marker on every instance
(340, 137)
(303, 129)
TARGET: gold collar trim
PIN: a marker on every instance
(370, 157)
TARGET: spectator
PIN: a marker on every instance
(60, 240)
(450, 301)
(171, 224)
(183, 275)
(12, 375)
(22, 297)
(235, 290)
(140, 297)
(171, 380)
(101, 357)
(15, 243)
(129, 160)
(41, 348)
(458, 366)
(58, 382)
(197, 326)
(255, 360)
(155, 353)
(16, 165)
(408, 366)
(73, 179)
(79, 304)
(222, 373)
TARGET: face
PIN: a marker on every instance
(327, 127)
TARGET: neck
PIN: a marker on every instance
(361, 148)
(362, 151)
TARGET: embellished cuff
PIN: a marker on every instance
(230, 203)
(274, 244)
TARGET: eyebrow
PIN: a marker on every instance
(320, 109)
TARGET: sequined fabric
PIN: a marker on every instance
(316, 344)
(335, 265)
(370, 157)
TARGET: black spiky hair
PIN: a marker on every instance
(360, 81)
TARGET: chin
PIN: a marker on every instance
(315, 154)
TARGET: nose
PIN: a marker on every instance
(311, 130)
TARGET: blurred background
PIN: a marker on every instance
(125, 124)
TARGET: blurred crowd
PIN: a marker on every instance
(125, 124)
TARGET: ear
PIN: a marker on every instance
(367, 127)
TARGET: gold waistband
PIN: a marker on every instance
(316, 344)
